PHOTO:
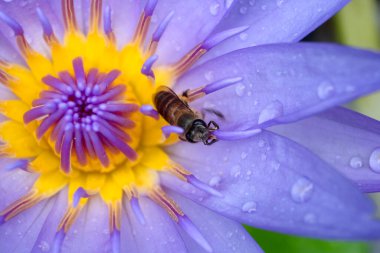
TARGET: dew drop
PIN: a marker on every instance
(209, 75)
(235, 171)
(275, 165)
(243, 10)
(214, 9)
(215, 181)
(271, 111)
(280, 2)
(249, 207)
(243, 36)
(302, 190)
(240, 89)
(44, 246)
(310, 218)
(243, 155)
(228, 3)
(252, 2)
(261, 143)
(374, 160)
(325, 90)
(356, 162)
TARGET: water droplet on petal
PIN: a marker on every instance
(235, 171)
(310, 218)
(374, 160)
(228, 3)
(325, 90)
(271, 111)
(356, 162)
(44, 246)
(243, 36)
(252, 2)
(209, 75)
(240, 89)
(261, 143)
(302, 190)
(214, 9)
(249, 207)
(215, 181)
(243, 155)
(280, 2)
(243, 10)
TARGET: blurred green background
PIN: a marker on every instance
(358, 24)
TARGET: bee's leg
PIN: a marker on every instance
(211, 140)
(215, 112)
(191, 95)
(212, 126)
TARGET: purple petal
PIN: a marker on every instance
(159, 233)
(185, 31)
(224, 235)
(20, 233)
(125, 16)
(90, 232)
(26, 14)
(128, 243)
(13, 185)
(44, 241)
(284, 82)
(273, 21)
(343, 138)
(270, 182)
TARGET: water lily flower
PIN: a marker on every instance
(90, 165)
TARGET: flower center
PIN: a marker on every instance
(88, 116)
(87, 111)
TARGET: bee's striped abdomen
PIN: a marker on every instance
(171, 107)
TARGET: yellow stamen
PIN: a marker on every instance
(69, 15)
(114, 215)
(69, 218)
(27, 201)
(159, 196)
(95, 16)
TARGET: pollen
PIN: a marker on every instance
(84, 118)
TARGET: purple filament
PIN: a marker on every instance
(215, 39)
(136, 209)
(149, 7)
(46, 26)
(185, 223)
(13, 24)
(58, 240)
(148, 110)
(235, 135)
(202, 186)
(115, 238)
(220, 84)
(168, 130)
(162, 27)
(147, 66)
(107, 23)
(86, 114)
(78, 194)
(16, 164)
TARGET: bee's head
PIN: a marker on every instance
(200, 132)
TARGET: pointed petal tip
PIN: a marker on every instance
(186, 224)
(136, 209)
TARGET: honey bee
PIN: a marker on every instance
(176, 111)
